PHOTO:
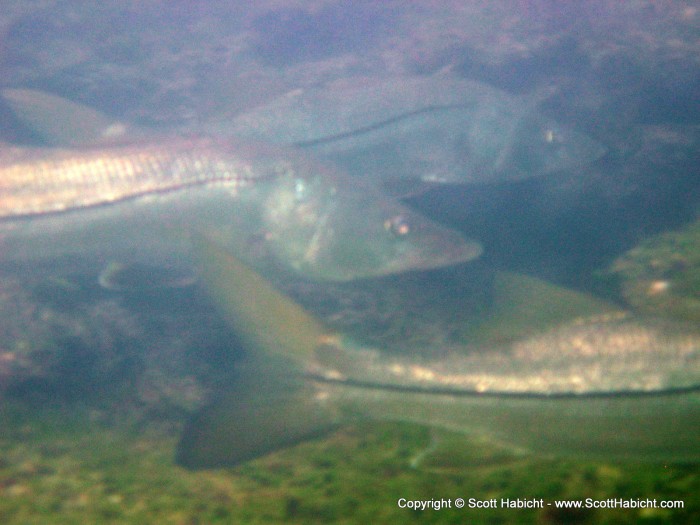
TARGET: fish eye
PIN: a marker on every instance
(398, 225)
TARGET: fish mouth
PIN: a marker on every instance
(423, 260)
(434, 257)
(419, 262)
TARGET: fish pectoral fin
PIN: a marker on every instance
(259, 414)
(138, 277)
(60, 122)
(453, 452)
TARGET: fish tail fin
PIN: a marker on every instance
(263, 410)
(268, 405)
(268, 322)
(61, 122)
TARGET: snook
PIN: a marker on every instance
(438, 129)
(138, 201)
(607, 386)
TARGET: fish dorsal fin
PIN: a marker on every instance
(61, 122)
(523, 306)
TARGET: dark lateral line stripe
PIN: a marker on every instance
(372, 127)
(611, 394)
(126, 198)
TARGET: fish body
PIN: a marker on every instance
(608, 387)
(138, 201)
(439, 129)
(605, 386)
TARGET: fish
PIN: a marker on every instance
(603, 385)
(436, 129)
(405, 134)
(137, 201)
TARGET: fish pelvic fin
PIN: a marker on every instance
(120, 277)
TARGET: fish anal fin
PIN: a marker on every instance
(453, 453)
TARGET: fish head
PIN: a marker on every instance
(543, 146)
(340, 231)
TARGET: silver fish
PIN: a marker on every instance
(137, 202)
(432, 129)
(607, 386)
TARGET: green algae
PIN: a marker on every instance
(66, 464)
